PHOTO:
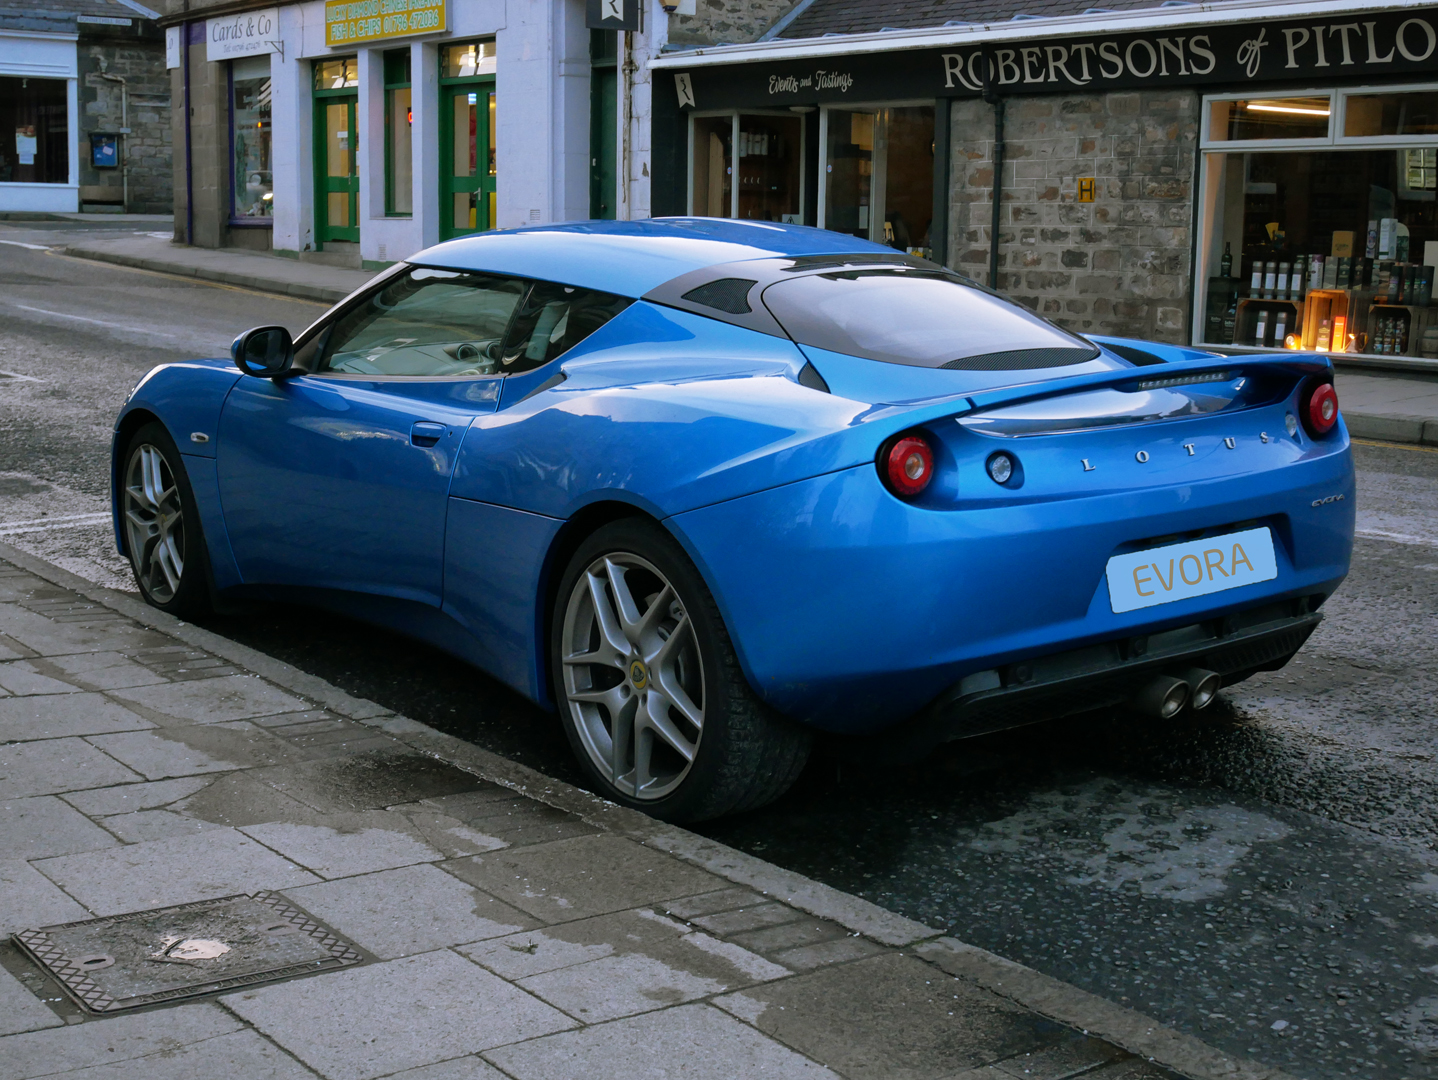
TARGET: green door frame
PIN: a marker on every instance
(603, 120)
(481, 185)
(326, 185)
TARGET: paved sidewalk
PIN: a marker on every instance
(1389, 406)
(508, 925)
(228, 266)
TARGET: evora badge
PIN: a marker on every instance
(1330, 499)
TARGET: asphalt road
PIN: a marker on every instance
(1261, 875)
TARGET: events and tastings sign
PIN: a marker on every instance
(1316, 50)
(348, 22)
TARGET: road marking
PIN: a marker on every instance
(1397, 538)
(1397, 446)
(98, 322)
(22, 378)
(19, 243)
(68, 521)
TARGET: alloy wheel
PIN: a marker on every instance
(154, 523)
(633, 675)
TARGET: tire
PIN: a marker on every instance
(160, 517)
(694, 741)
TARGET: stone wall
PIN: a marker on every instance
(1118, 265)
(726, 22)
(141, 63)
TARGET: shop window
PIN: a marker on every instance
(1369, 115)
(398, 134)
(250, 140)
(340, 74)
(877, 180)
(34, 143)
(1269, 118)
(764, 150)
(467, 61)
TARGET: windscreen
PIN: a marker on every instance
(920, 318)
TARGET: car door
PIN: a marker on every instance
(337, 477)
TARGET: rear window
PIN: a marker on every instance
(919, 318)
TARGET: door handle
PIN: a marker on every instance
(426, 433)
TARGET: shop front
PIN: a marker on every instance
(39, 168)
(1264, 178)
(356, 132)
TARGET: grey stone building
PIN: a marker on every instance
(1147, 157)
(84, 107)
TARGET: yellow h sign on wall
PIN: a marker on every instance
(348, 22)
(1086, 187)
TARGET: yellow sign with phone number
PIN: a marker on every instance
(348, 22)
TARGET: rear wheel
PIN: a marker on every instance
(650, 690)
(162, 525)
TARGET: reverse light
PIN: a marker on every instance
(1321, 413)
(908, 466)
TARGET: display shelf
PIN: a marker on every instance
(1245, 328)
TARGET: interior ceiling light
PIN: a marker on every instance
(1297, 110)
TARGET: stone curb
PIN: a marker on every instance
(319, 293)
(1039, 993)
(1392, 428)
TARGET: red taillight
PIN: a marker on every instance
(909, 466)
(1322, 411)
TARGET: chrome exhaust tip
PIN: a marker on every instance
(1203, 686)
(1163, 698)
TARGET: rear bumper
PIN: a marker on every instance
(1235, 646)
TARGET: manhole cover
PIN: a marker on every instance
(168, 954)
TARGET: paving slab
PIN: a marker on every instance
(121, 1038)
(372, 1021)
(56, 717)
(127, 798)
(588, 875)
(212, 701)
(20, 1010)
(50, 638)
(145, 825)
(19, 677)
(29, 899)
(158, 756)
(892, 1017)
(241, 1054)
(697, 1042)
(355, 844)
(239, 798)
(56, 765)
(413, 909)
(465, 1068)
(104, 670)
(369, 780)
(43, 826)
(173, 871)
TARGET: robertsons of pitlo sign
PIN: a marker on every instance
(351, 21)
(1318, 49)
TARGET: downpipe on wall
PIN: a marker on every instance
(994, 98)
(124, 134)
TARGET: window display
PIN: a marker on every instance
(34, 146)
(877, 179)
(770, 166)
(250, 138)
(1319, 240)
(398, 134)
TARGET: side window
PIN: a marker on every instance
(552, 320)
(425, 322)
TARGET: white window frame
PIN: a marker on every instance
(1209, 149)
(734, 114)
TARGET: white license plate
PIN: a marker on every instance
(1143, 579)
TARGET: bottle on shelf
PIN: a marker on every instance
(1280, 328)
(1298, 283)
(1255, 284)
(1270, 279)
(1230, 320)
(1395, 283)
(1321, 345)
(1262, 331)
(1225, 264)
(1283, 269)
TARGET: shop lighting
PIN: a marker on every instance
(1296, 110)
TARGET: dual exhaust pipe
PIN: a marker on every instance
(1167, 695)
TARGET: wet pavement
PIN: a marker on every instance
(1261, 876)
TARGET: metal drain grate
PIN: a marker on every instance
(171, 954)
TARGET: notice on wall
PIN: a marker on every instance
(248, 34)
(348, 22)
(26, 144)
(172, 47)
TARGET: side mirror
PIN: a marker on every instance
(265, 352)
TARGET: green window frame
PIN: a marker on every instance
(398, 135)
(468, 173)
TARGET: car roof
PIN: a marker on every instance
(632, 257)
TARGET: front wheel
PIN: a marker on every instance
(650, 690)
(162, 526)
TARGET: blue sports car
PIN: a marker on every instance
(710, 487)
